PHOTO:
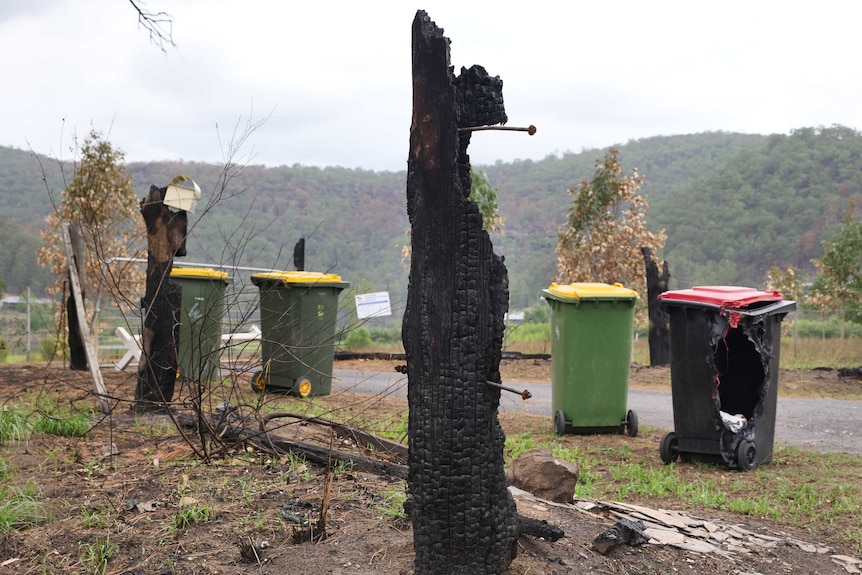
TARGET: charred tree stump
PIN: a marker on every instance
(166, 236)
(77, 353)
(659, 321)
(299, 255)
(464, 519)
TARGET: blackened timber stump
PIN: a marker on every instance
(464, 519)
(166, 238)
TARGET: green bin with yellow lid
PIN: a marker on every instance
(202, 306)
(298, 314)
(592, 326)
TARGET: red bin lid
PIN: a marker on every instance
(720, 296)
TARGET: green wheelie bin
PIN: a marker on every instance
(298, 312)
(202, 307)
(592, 327)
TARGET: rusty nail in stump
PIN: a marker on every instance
(531, 129)
(524, 394)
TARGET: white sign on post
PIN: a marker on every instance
(373, 305)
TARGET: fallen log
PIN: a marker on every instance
(850, 372)
(231, 433)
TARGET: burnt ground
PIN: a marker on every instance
(134, 488)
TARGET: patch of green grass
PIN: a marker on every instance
(530, 333)
(151, 430)
(342, 466)
(391, 504)
(297, 466)
(13, 424)
(518, 444)
(18, 421)
(190, 515)
(814, 492)
(806, 352)
(390, 427)
(21, 508)
(69, 424)
(5, 469)
(95, 517)
(94, 556)
(93, 468)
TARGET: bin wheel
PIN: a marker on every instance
(303, 386)
(631, 423)
(258, 382)
(560, 422)
(669, 448)
(746, 455)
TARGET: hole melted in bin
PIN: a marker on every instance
(740, 374)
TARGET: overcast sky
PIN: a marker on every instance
(332, 79)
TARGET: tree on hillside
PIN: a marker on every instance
(100, 203)
(485, 197)
(838, 288)
(606, 229)
(790, 283)
(787, 281)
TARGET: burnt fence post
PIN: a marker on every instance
(166, 237)
(464, 519)
(659, 321)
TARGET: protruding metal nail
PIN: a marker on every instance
(531, 129)
(524, 394)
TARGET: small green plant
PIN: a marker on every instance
(258, 521)
(341, 466)
(93, 468)
(188, 516)
(94, 556)
(297, 465)
(247, 489)
(21, 508)
(95, 517)
(391, 505)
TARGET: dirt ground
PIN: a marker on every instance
(128, 488)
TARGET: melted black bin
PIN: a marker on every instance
(724, 350)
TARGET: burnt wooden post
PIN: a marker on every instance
(166, 236)
(464, 519)
(659, 330)
(299, 255)
(77, 354)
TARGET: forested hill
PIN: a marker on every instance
(732, 204)
(771, 206)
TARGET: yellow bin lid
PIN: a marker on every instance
(198, 273)
(579, 291)
(296, 277)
